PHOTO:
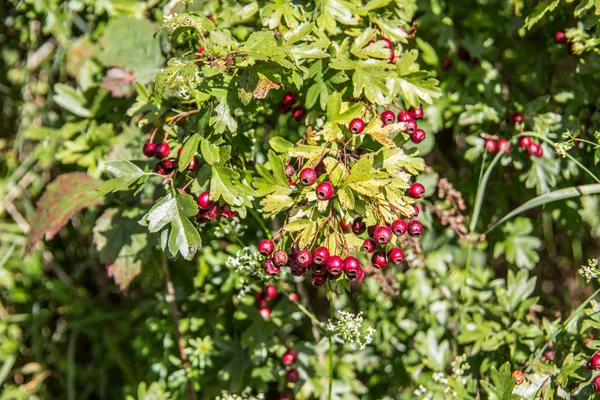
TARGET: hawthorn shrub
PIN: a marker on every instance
(332, 199)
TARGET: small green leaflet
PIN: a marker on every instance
(540, 10)
(224, 119)
(503, 384)
(225, 183)
(519, 247)
(189, 150)
(178, 74)
(125, 175)
(185, 22)
(332, 12)
(298, 225)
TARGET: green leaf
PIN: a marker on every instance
(190, 147)
(224, 119)
(503, 384)
(540, 10)
(519, 247)
(273, 204)
(518, 289)
(332, 12)
(276, 163)
(346, 198)
(126, 174)
(186, 22)
(280, 145)
(178, 75)
(210, 152)
(298, 225)
(478, 114)
(435, 353)
(225, 183)
(263, 46)
(71, 100)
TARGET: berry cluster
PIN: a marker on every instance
(290, 103)
(525, 143)
(265, 297)
(209, 211)
(289, 359)
(161, 151)
(408, 117)
(594, 364)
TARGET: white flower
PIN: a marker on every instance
(348, 329)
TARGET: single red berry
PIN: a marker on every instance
(399, 227)
(266, 247)
(308, 176)
(392, 57)
(294, 253)
(351, 267)
(357, 125)
(411, 126)
(371, 230)
(417, 136)
(560, 37)
(321, 255)
(324, 191)
(593, 362)
(285, 108)
(289, 170)
(212, 213)
(298, 113)
(504, 145)
(179, 151)
(304, 257)
(289, 357)
(517, 118)
(292, 183)
(360, 277)
(318, 280)
(161, 150)
(148, 149)
(199, 53)
(265, 312)
(358, 226)
(320, 169)
(524, 142)
(294, 298)
(404, 116)
(292, 375)
(416, 211)
(387, 43)
(396, 255)
(417, 113)
(383, 235)
(379, 260)
(289, 98)
(416, 190)
(281, 258)
(296, 269)
(596, 384)
(446, 63)
(334, 276)
(490, 145)
(204, 201)
(260, 300)
(335, 265)
(227, 212)
(540, 151)
(415, 228)
(161, 169)
(533, 149)
(369, 246)
(169, 163)
(318, 269)
(388, 117)
(346, 226)
(193, 165)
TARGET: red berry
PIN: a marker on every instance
(321, 255)
(490, 145)
(169, 163)
(289, 98)
(298, 113)
(388, 117)
(378, 259)
(415, 228)
(334, 276)
(199, 53)
(351, 267)
(270, 267)
(211, 214)
(411, 126)
(392, 57)
(533, 149)
(318, 280)
(463, 54)
(204, 201)
(593, 362)
(284, 108)
(308, 176)
(324, 191)
(296, 269)
(148, 149)
(540, 151)
(596, 384)
(383, 235)
(335, 265)
(294, 252)
(417, 113)
(193, 165)
(371, 230)
(265, 312)
(304, 257)
(161, 150)
(161, 169)
(270, 291)
(399, 227)
(396, 255)
(266, 247)
(387, 43)
(292, 375)
(417, 136)
(358, 226)
(524, 142)
(281, 258)
(560, 37)
(260, 300)
(289, 357)
(416, 190)
(357, 125)
(347, 226)
(404, 116)
(292, 183)
(416, 211)
(227, 212)
(369, 246)
(361, 275)
(318, 269)
(446, 63)
(517, 118)
(289, 170)
(294, 298)
(504, 145)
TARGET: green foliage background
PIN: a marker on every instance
(85, 311)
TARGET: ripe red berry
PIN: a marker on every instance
(324, 191)
(292, 183)
(294, 298)
(289, 357)
(411, 126)
(369, 246)
(371, 230)
(318, 280)
(199, 53)
(417, 113)
(351, 267)
(304, 257)
(490, 145)
(204, 201)
(540, 151)
(211, 214)
(266, 247)
(292, 375)
(416, 190)
(321, 255)
(148, 149)
(318, 269)
(358, 226)
(285, 108)
(399, 227)
(169, 163)
(504, 145)
(396, 255)
(161, 169)
(415, 228)
(379, 260)
(392, 57)
(517, 118)
(161, 150)
(383, 235)
(387, 43)
(334, 277)
(308, 176)
(524, 142)
(265, 312)
(346, 226)
(270, 291)
(388, 117)
(281, 258)
(270, 267)
(193, 165)
(293, 253)
(334, 265)
(593, 362)
(404, 116)
(533, 149)
(296, 269)
(357, 125)
(560, 37)
(289, 98)
(596, 384)
(298, 113)
(260, 300)
(416, 211)
(361, 275)
(417, 136)
(446, 63)
(227, 212)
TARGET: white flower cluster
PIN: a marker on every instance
(421, 391)
(230, 227)
(590, 271)
(246, 262)
(348, 329)
(245, 395)
(561, 149)
(460, 365)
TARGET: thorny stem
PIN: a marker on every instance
(175, 317)
(331, 316)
